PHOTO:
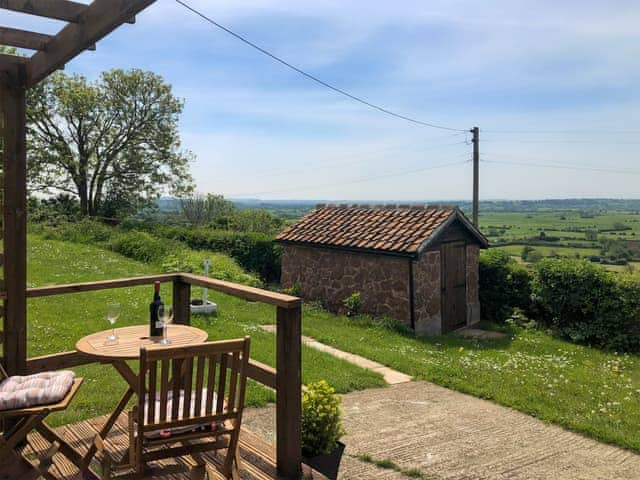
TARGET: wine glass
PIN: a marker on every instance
(113, 312)
(165, 315)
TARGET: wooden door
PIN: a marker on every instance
(454, 286)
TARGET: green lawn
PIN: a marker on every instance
(56, 323)
(584, 389)
(590, 391)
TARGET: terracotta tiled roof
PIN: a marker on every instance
(393, 229)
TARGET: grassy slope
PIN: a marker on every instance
(56, 323)
(594, 392)
(584, 389)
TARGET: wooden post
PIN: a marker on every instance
(288, 392)
(181, 302)
(14, 185)
(476, 173)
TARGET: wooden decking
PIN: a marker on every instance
(258, 457)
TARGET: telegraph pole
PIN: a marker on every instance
(476, 172)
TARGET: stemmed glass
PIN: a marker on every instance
(113, 312)
(165, 315)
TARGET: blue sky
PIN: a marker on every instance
(564, 75)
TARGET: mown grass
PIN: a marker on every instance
(587, 390)
(584, 389)
(57, 322)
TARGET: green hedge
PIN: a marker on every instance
(587, 304)
(142, 246)
(169, 254)
(504, 285)
(83, 231)
(255, 252)
(576, 299)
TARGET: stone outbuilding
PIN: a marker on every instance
(418, 265)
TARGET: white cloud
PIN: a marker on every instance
(502, 64)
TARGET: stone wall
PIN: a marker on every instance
(332, 275)
(427, 293)
(473, 277)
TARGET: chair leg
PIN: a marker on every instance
(105, 464)
(19, 433)
(237, 459)
(231, 464)
(199, 472)
(135, 443)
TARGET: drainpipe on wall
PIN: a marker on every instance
(412, 314)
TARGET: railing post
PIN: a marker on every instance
(288, 392)
(181, 302)
(14, 224)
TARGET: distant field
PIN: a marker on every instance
(633, 266)
(572, 234)
(516, 250)
(570, 226)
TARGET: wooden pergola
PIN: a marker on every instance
(86, 24)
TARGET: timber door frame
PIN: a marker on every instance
(446, 323)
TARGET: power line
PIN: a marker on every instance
(595, 142)
(562, 166)
(355, 160)
(313, 77)
(567, 132)
(349, 182)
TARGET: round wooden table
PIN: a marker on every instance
(131, 339)
(127, 347)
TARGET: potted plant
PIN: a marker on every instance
(322, 429)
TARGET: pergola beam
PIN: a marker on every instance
(57, 9)
(98, 20)
(14, 185)
(11, 61)
(23, 39)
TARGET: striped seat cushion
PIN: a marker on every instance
(42, 388)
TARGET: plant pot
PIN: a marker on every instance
(328, 463)
(198, 307)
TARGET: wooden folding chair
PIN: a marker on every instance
(19, 422)
(190, 401)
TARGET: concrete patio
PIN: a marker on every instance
(450, 435)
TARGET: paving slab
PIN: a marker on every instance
(392, 377)
(448, 435)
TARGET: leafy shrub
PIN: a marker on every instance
(504, 285)
(294, 290)
(141, 246)
(84, 231)
(255, 252)
(171, 255)
(53, 210)
(352, 304)
(203, 209)
(586, 304)
(222, 266)
(321, 419)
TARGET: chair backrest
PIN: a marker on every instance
(190, 385)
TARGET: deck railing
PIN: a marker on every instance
(285, 378)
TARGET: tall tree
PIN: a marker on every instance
(111, 142)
